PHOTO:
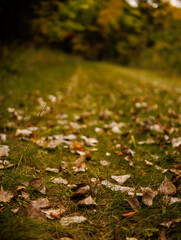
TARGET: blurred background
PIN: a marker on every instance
(145, 33)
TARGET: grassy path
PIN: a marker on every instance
(101, 119)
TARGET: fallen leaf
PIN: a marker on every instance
(81, 192)
(148, 163)
(148, 141)
(87, 201)
(77, 145)
(133, 202)
(75, 219)
(128, 238)
(4, 150)
(171, 200)
(80, 165)
(169, 223)
(65, 238)
(38, 184)
(176, 142)
(23, 132)
(128, 214)
(163, 234)
(4, 164)
(121, 179)
(115, 187)
(33, 210)
(104, 163)
(60, 180)
(20, 188)
(55, 170)
(5, 196)
(167, 187)
(25, 195)
(148, 196)
(90, 141)
(2, 137)
(54, 213)
(15, 210)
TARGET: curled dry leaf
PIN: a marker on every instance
(87, 201)
(121, 179)
(5, 196)
(77, 145)
(75, 219)
(19, 188)
(53, 213)
(134, 203)
(167, 187)
(81, 192)
(38, 184)
(80, 165)
(4, 150)
(4, 164)
(60, 180)
(148, 196)
(169, 223)
(128, 214)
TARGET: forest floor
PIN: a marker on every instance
(88, 150)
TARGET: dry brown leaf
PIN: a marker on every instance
(163, 234)
(65, 238)
(38, 184)
(20, 188)
(81, 192)
(167, 187)
(25, 195)
(87, 201)
(5, 196)
(53, 213)
(134, 203)
(128, 214)
(131, 238)
(148, 196)
(80, 165)
(77, 145)
(34, 208)
(169, 223)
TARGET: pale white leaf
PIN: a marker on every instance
(75, 219)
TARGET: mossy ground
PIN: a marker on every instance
(88, 87)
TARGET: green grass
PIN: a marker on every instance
(87, 87)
